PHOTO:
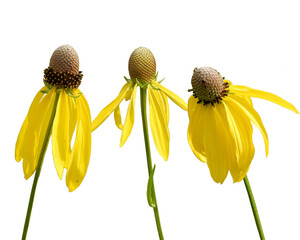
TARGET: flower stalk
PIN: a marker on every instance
(149, 161)
(39, 166)
(254, 208)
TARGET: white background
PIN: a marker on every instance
(252, 43)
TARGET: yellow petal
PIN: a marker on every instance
(20, 141)
(192, 104)
(263, 95)
(253, 116)
(129, 120)
(72, 115)
(118, 119)
(80, 155)
(241, 130)
(38, 121)
(86, 107)
(166, 105)
(171, 95)
(72, 123)
(61, 142)
(110, 107)
(218, 142)
(128, 95)
(159, 128)
(163, 103)
(195, 130)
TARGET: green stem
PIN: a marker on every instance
(149, 161)
(39, 167)
(254, 208)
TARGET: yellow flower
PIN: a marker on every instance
(220, 130)
(142, 71)
(62, 77)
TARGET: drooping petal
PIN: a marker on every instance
(166, 105)
(72, 115)
(110, 107)
(118, 118)
(129, 120)
(61, 142)
(195, 129)
(253, 116)
(128, 95)
(192, 104)
(218, 142)
(234, 165)
(86, 107)
(72, 122)
(242, 90)
(159, 128)
(171, 95)
(241, 130)
(20, 141)
(38, 122)
(80, 154)
(247, 99)
(163, 103)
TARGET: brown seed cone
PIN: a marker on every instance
(208, 85)
(63, 70)
(142, 65)
(65, 59)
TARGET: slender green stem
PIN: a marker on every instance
(149, 161)
(39, 167)
(254, 208)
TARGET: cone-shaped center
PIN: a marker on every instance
(142, 65)
(63, 69)
(208, 85)
(65, 59)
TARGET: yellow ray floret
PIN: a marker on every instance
(61, 141)
(23, 134)
(196, 128)
(111, 107)
(80, 154)
(158, 123)
(246, 91)
(171, 95)
(34, 128)
(118, 118)
(129, 120)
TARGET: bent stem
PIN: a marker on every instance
(254, 208)
(149, 161)
(39, 167)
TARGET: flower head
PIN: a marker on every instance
(62, 77)
(63, 70)
(220, 129)
(142, 71)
